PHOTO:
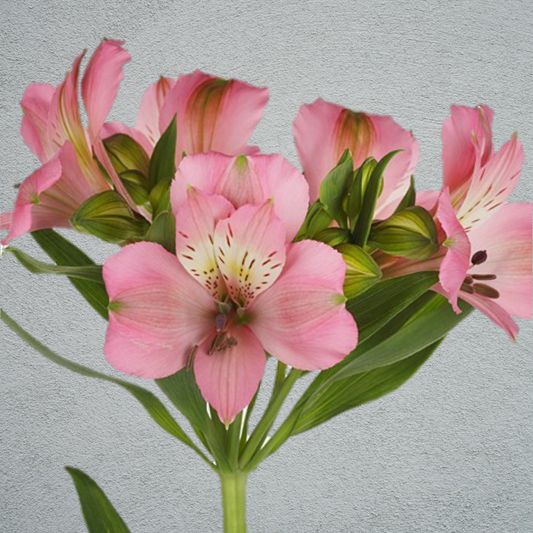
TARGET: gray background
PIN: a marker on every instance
(452, 451)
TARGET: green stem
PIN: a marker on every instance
(234, 501)
(261, 431)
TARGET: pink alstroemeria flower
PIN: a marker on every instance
(246, 180)
(53, 130)
(323, 131)
(233, 291)
(213, 114)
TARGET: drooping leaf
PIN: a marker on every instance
(371, 194)
(353, 391)
(162, 163)
(100, 515)
(64, 253)
(149, 401)
(89, 272)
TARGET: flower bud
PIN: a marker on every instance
(333, 236)
(362, 272)
(109, 217)
(315, 221)
(411, 233)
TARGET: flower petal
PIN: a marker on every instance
(195, 228)
(302, 319)
(213, 114)
(466, 135)
(491, 184)
(149, 113)
(36, 106)
(157, 312)
(250, 248)
(323, 131)
(247, 180)
(228, 379)
(507, 239)
(100, 82)
(454, 266)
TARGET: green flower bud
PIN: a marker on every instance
(315, 221)
(108, 216)
(411, 233)
(362, 272)
(333, 236)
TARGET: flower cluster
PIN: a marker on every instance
(229, 255)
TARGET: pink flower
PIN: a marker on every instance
(246, 180)
(53, 130)
(233, 291)
(323, 131)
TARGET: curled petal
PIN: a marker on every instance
(157, 312)
(228, 379)
(323, 131)
(101, 81)
(491, 184)
(36, 106)
(466, 136)
(195, 229)
(247, 180)
(454, 266)
(213, 114)
(302, 319)
(149, 113)
(250, 249)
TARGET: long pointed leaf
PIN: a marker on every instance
(100, 515)
(64, 253)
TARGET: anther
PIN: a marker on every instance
(479, 257)
(484, 277)
(485, 290)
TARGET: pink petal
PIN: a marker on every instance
(229, 379)
(100, 83)
(491, 184)
(507, 239)
(302, 319)
(115, 128)
(427, 199)
(195, 229)
(157, 312)
(247, 180)
(36, 106)
(149, 113)
(323, 131)
(250, 247)
(466, 135)
(5, 221)
(454, 266)
(213, 114)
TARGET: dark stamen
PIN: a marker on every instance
(467, 288)
(469, 280)
(479, 257)
(484, 277)
(485, 290)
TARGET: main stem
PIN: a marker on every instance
(234, 501)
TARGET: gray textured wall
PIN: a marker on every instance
(452, 451)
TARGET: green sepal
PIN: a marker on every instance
(334, 188)
(108, 216)
(411, 234)
(362, 272)
(162, 163)
(100, 515)
(315, 221)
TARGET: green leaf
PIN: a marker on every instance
(344, 394)
(423, 323)
(64, 253)
(100, 515)
(315, 221)
(151, 403)
(89, 272)
(362, 272)
(160, 198)
(409, 198)
(334, 188)
(163, 231)
(372, 192)
(410, 233)
(162, 164)
(107, 216)
(357, 190)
